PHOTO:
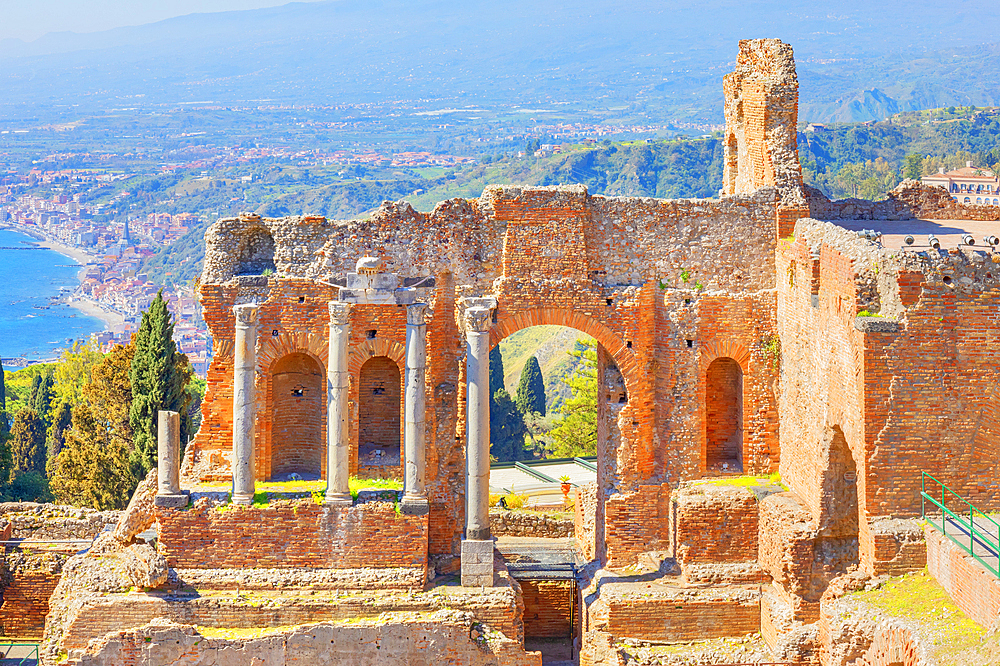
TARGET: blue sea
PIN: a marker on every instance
(28, 281)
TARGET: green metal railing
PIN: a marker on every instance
(966, 521)
(30, 654)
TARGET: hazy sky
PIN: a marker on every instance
(30, 19)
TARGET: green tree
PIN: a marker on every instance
(531, 389)
(72, 372)
(62, 419)
(913, 167)
(158, 377)
(507, 429)
(27, 442)
(93, 467)
(576, 433)
(40, 400)
(496, 371)
(4, 424)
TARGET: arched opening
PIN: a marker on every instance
(255, 252)
(298, 417)
(839, 488)
(724, 416)
(380, 420)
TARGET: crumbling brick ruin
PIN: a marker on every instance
(736, 336)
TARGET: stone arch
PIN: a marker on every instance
(724, 415)
(271, 349)
(254, 251)
(298, 416)
(721, 362)
(363, 398)
(616, 348)
(616, 365)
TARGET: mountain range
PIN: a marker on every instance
(856, 60)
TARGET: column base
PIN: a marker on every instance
(338, 499)
(173, 501)
(415, 506)
(241, 498)
(477, 563)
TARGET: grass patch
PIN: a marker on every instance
(356, 484)
(952, 637)
(513, 500)
(746, 481)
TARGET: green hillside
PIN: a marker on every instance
(551, 346)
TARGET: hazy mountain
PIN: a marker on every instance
(856, 59)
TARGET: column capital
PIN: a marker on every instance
(416, 313)
(340, 312)
(246, 314)
(478, 320)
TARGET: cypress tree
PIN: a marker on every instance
(531, 389)
(496, 371)
(40, 399)
(61, 420)
(507, 429)
(157, 376)
(27, 442)
(4, 425)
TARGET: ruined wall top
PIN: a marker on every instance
(761, 107)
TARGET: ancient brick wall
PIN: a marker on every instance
(548, 608)
(721, 611)
(724, 414)
(530, 524)
(970, 586)
(454, 640)
(292, 534)
(27, 584)
(298, 416)
(761, 108)
(635, 523)
(623, 270)
(714, 524)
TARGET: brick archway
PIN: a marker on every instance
(358, 356)
(624, 358)
(270, 351)
(714, 378)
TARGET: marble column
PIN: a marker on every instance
(168, 461)
(414, 493)
(244, 399)
(338, 383)
(477, 547)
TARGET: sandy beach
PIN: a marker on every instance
(112, 320)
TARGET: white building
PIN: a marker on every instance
(968, 185)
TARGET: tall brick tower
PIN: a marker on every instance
(761, 148)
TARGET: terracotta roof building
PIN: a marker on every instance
(968, 185)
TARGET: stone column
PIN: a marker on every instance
(477, 547)
(168, 461)
(414, 494)
(244, 371)
(338, 382)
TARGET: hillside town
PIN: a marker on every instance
(110, 253)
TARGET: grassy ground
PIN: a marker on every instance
(954, 639)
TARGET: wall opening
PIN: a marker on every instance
(298, 417)
(380, 421)
(839, 499)
(724, 416)
(255, 252)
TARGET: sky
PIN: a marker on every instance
(30, 19)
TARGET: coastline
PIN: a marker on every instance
(112, 320)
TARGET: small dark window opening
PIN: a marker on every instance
(379, 389)
(623, 398)
(690, 344)
(493, 316)
(298, 391)
(687, 301)
(607, 301)
(371, 333)
(302, 299)
(628, 344)
(947, 280)
(274, 333)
